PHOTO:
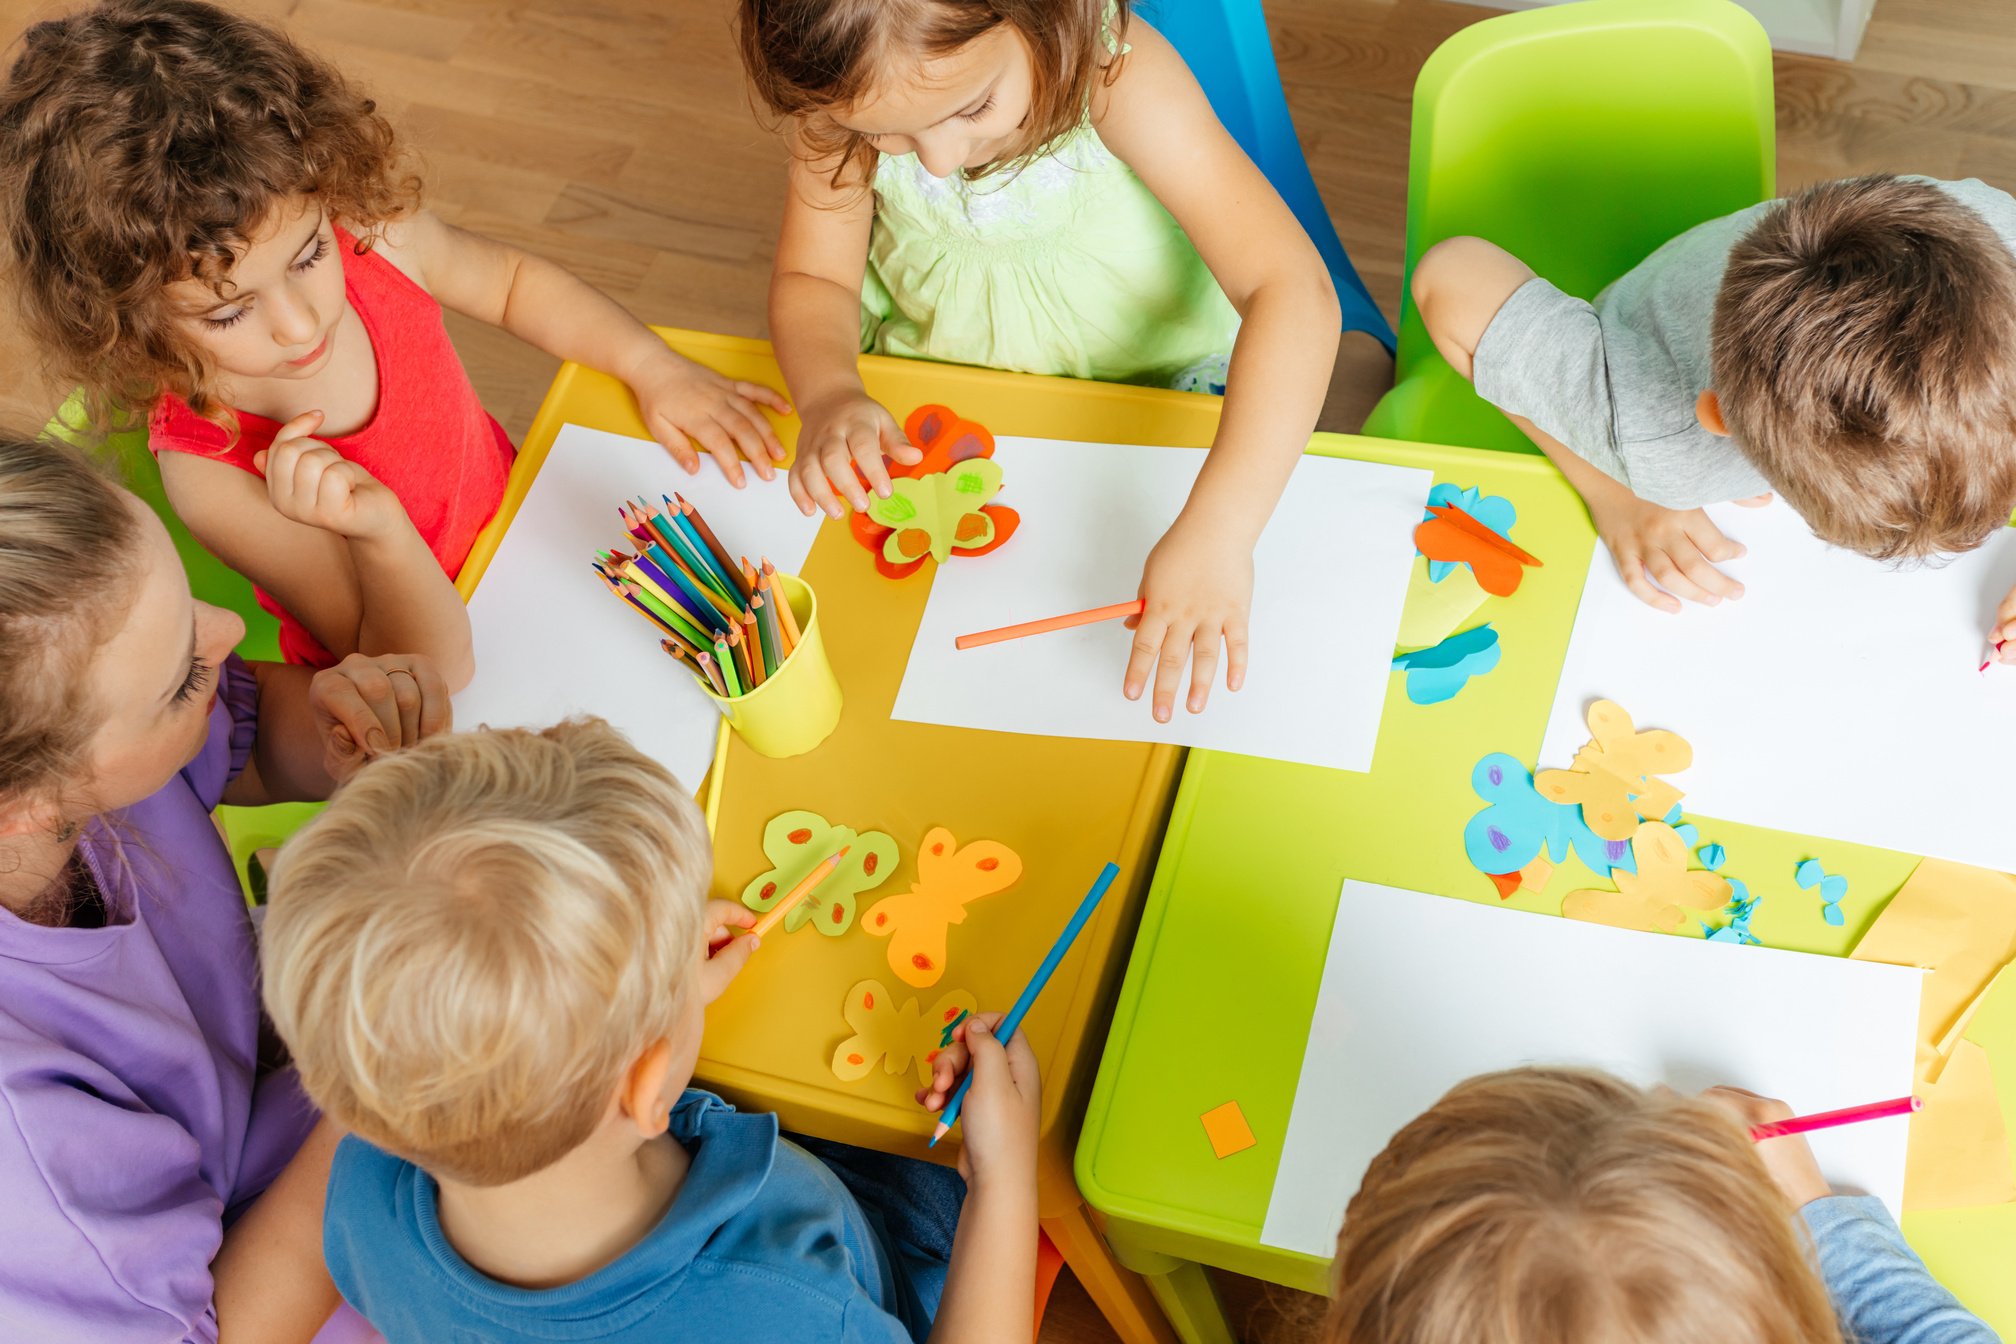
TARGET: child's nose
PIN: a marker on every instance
(293, 322)
(218, 632)
(941, 154)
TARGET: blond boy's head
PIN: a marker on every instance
(1864, 352)
(469, 949)
(1560, 1206)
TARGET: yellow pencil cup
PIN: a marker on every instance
(797, 708)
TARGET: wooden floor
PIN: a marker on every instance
(615, 136)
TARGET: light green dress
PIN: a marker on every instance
(1069, 266)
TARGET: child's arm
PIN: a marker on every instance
(815, 323)
(548, 306)
(990, 1291)
(1459, 286)
(269, 1282)
(317, 728)
(330, 544)
(1199, 579)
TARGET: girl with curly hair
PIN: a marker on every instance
(213, 229)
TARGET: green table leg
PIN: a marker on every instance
(1183, 1290)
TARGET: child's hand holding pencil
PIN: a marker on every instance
(1001, 1111)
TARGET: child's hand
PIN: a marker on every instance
(310, 482)
(726, 954)
(683, 404)
(1679, 549)
(835, 438)
(1199, 588)
(2004, 633)
(1790, 1159)
(366, 707)
(1002, 1108)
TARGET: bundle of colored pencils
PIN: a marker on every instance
(728, 622)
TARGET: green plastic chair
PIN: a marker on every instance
(247, 829)
(1578, 137)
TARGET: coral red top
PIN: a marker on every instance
(429, 440)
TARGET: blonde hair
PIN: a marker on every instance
(1561, 1206)
(67, 540)
(807, 59)
(467, 950)
(1864, 354)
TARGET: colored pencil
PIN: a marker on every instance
(789, 618)
(771, 656)
(1847, 1115)
(725, 660)
(713, 671)
(698, 547)
(667, 617)
(1009, 1024)
(752, 644)
(766, 611)
(692, 515)
(697, 565)
(676, 588)
(649, 615)
(740, 652)
(1049, 623)
(804, 888)
(703, 592)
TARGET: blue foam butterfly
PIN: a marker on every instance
(1494, 511)
(1832, 888)
(1519, 823)
(1436, 674)
(1741, 906)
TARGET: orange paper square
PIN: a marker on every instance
(1227, 1129)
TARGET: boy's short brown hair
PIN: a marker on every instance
(1565, 1206)
(1864, 349)
(141, 143)
(467, 950)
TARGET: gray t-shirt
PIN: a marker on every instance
(1616, 381)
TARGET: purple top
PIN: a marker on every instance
(133, 1122)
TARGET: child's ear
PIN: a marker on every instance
(1708, 410)
(31, 816)
(641, 1095)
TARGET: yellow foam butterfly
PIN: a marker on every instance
(796, 843)
(898, 1036)
(948, 878)
(1615, 777)
(1653, 897)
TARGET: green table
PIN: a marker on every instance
(1223, 979)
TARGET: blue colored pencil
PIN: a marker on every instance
(676, 585)
(695, 558)
(1009, 1024)
(698, 546)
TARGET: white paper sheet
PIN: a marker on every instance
(1330, 577)
(1420, 992)
(1838, 697)
(551, 641)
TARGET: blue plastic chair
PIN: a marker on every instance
(1225, 44)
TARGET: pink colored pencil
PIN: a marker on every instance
(1049, 623)
(1994, 652)
(1847, 1115)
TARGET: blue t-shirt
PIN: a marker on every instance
(1882, 1291)
(762, 1243)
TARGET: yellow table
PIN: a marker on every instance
(1066, 806)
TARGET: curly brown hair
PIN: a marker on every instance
(807, 59)
(142, 142)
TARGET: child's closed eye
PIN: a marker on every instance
(981, 110)
(192, 685)
(308, 262)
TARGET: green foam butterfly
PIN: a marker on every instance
(796, 843)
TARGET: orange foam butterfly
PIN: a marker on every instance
(946, 441)
(1452, 535)
(1651, 898)
(1615, 777)
(898, 1036)
(948, 878)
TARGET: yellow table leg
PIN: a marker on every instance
(1122, 1296)
(1191, 1303)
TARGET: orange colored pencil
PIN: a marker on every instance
(798, 893)
(707, 665)
(692, 515)
(740, 652)
(785, 616)
(772, 594)
(1049, 623)
(752, 646)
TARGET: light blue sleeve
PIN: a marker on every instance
(1881, 1289)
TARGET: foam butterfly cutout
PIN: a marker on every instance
(796, 843)
(900, 1037)
(1451, 535)
(1518, 824)
(1653, 897)
(1614, 778)
(949, 877)
(953, 516)
(1833, 887)
(1436, 674)
(1494, 511)
(1742, 905)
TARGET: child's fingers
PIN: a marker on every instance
(1235, 653)
(795, 482)
(675, 442)
(772, 450)
(764, 396)
(1148, 636)
(1175, 653)
(300, 427)
(897, 446)
(726, 961)
(345, 701)
(1631, 568)
(721, 447)
(819, 483)
(875, 471)
(1203, 665)
(437, 710)
(1022, 1067)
